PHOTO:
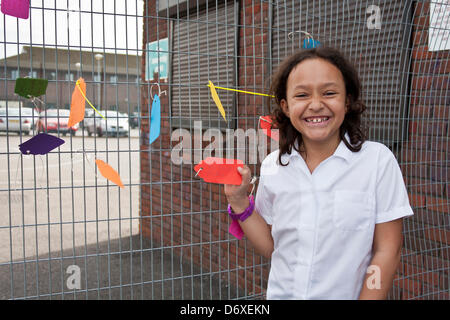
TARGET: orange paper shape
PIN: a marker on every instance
(266, 123)
(109, 173)
(220, 170)
(78, 103)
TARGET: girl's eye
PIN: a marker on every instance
(300, 95)
(330, 93)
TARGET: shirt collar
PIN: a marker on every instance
(341, 151)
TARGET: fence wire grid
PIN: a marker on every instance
(69, 233)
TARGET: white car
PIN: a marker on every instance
(32, 115)
(115, 123)
(16, 120)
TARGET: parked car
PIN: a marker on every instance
(88, 112)
(16, 120)
(88, 121)
(115, 123)
(32, 115)
(56, 120)
(134, 120)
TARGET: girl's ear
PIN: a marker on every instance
(347, 104)
(284, 107)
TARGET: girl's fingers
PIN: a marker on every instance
(234, 190)
(246, 175)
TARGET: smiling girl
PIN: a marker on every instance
(329, 204)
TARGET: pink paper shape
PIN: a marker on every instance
(235, 230)
(16, 8)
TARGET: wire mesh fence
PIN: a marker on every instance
(70, 233)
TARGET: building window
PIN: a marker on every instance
(15, 74)
(97, 78)
(69, 77)
(32, 74)
(50, 76)
(113, 79)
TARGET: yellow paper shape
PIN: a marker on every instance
(78, 103)
(109, 173)
(216, 99)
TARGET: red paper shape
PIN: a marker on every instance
(266, 123)
(220, 170)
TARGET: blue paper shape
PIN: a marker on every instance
(310, 43)
(155, 119)
(40, 144)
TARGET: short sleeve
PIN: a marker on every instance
(392, 200)
(263, 203)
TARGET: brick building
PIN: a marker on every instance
(112, 79)
(238, 44)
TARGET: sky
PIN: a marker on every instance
(115, 25)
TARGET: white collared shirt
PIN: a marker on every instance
(323, 223)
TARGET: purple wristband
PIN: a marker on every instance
(244, 215)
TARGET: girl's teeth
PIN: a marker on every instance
(317, 120)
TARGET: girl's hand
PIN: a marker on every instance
(237, 195)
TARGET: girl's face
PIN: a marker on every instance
(316, 100)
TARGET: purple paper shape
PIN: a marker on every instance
(40, 144)
(16, 8)
(236, 230)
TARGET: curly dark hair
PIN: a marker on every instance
(352, 121)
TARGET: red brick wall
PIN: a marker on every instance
(192, 216)
(181, 212)
(424, 162)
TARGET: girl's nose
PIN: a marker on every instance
(315, 104)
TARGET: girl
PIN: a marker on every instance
(329, 203)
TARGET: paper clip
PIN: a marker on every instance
(159, 91)
(198, 171)
(290, 35)
(309, 42)
(253, 183)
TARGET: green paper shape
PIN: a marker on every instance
(30, 87)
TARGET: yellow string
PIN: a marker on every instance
(79, 88)
(242, 91)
